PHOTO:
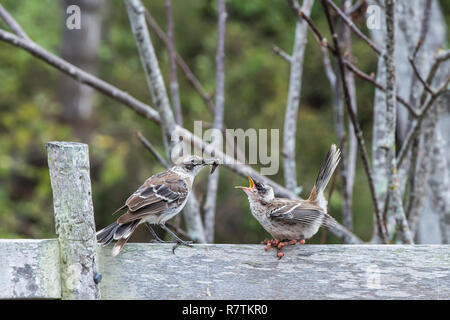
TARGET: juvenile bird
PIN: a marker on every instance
(290, 220)
(160, 198)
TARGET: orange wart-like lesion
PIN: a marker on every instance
(279, 245)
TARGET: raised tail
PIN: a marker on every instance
(119, 232)
(326, 171)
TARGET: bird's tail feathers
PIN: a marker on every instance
(326, 171)
(117, 231)
(123, 233)
(106, 235)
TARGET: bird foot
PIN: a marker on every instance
(157, 241)
(182, 243)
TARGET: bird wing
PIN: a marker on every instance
(157, 194)
(299, 211)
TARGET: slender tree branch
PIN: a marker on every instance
(415, 128)
(441, 57)
(356, 126)
(440, 186)
(209, 207)
(331, 75)
(348, 64)
(424, 83)
(421, 170)
(152, 72)
(424, 28)
(396, 207)
(350, 165)
(152, 149)
(353, 27)
(293, 100)
(281, 53)
(207, 98)
(82, 76)
(136, 13)
(12, 24)
(370, 79)
(174, 87)
(302, 14)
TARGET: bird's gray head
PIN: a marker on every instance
(191, 165)
(258, 191)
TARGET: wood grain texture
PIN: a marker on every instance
(29, 269)
(151, 271)
(68, 164)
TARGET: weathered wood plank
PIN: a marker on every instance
(29, 269)
(151, 271)
(68, 164)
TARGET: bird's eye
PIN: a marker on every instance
(189, 166)
(259, 187)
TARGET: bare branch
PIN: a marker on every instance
(415, 128)
(293, 100)
(174, 87)
(440, 186)
(424, 83)
(396, 207)
(354, 28)
(350, 159)
(356, 126)
(152, 149)
(302, 14)
(81, 76)
(370, 79)
(424, 28)
(136, 13)
(12, 24)
(213, 180)
(152, 72)
(181, 63)
(441, 57)
(281, 53)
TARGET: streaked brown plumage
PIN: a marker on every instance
(292, 219)
(161, 197)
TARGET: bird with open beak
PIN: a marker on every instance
(160, 198)
(292, 220)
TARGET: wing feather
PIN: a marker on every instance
(302, 212)
(157, 194)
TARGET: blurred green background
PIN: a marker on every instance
(256, 93)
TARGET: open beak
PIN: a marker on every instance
(250, 187)
(214, 164)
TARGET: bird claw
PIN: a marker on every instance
(182, 243)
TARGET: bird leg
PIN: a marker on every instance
(157, 239)
(177, 239)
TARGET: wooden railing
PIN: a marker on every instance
(74, 267)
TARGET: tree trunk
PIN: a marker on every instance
(80, 47)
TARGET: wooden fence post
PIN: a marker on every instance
(68, 164)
